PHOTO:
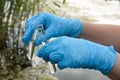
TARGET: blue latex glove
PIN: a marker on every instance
(78, 53)
(54, 26)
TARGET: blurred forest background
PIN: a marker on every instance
(14, 63)
(13, 53)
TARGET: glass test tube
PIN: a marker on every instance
(51, 66)
(32, 47)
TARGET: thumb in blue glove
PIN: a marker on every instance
(78, 53)
(54, 26)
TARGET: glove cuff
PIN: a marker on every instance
(78, 28)
(109, 61)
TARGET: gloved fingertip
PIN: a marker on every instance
(53, 62)
(25, 41)
(49, 33)
(39, 53)
(41, 38)
(27, 37)
(45, 58)
(54, 57)
(63, 64)
(37, 42)
(60, 66)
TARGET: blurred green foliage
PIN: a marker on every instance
(13, 14)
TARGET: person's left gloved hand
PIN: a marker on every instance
(78, 53)
(54, 26)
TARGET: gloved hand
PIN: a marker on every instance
(78, 53)
(54, 26)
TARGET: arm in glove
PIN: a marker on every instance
(54, 26)
(78, 53)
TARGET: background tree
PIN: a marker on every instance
(13, 13)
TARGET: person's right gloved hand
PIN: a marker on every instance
(54, 26)
(70, 52)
